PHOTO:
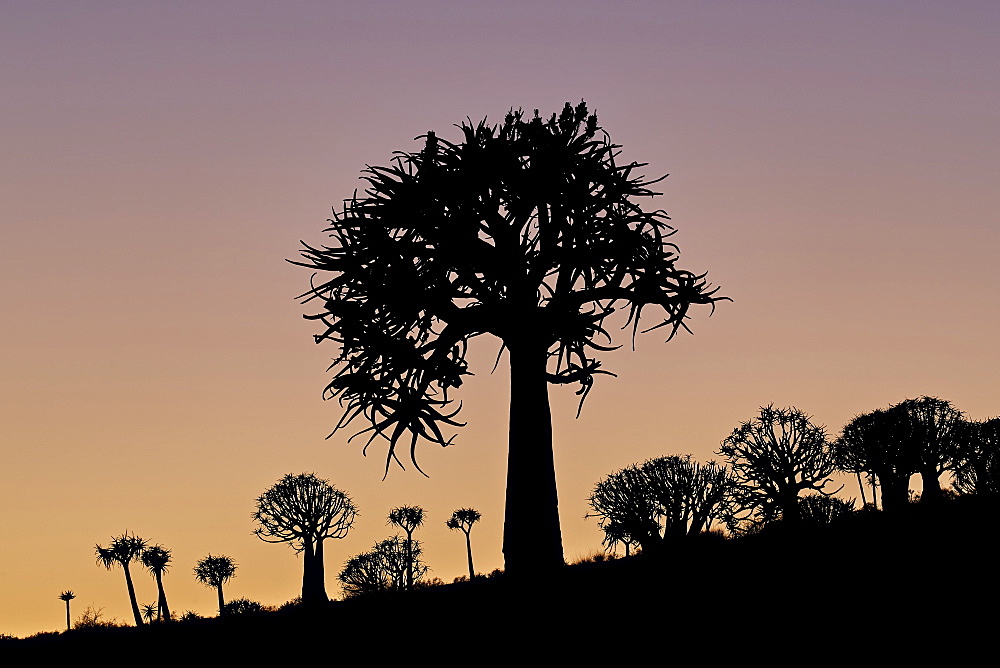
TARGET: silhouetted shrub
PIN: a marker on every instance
(243, 606)
(822, 509)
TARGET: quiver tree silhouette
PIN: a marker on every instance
(304, 511)
(215, 572)
(931, 428)
(122, 551)
(407, 518)
(980, 471)
(872, 443)
(530, 231)
(387, 567)
(776, 456)
(661, 501)
(463, 519)
(149, 611)
(157, 560)
(67, 596)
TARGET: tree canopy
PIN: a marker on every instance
(304, 510)
(529, 230)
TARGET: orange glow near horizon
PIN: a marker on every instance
(832, 167)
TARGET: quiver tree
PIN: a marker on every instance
(408, 518)
(661, 501)
(387, 567)
(775, 457)
(872, 443)
(304, 511)
(980, 471)
(122, 551)
(931, 429)
(157, 560)
(462, 520)
(530, 231)
(67, 596)
(215, 572)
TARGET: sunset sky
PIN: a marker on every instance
(833, 167)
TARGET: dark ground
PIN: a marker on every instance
(921, 586)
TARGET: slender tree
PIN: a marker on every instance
(408, 518)
(530, 231)
(215, 572)
(67, 596)
(157, 560)
(776, 456)
(463, 519)
(123, 550)
(304, 511)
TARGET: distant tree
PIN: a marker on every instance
(872, 443)
(463, 519)
(980, 470)
(408, 518)
(157, 560)
(775, 457)
(123, 550)
(823, 509)
(149, 611)
(304, 511)
(215, 572)
(67, 596)
(615, 534)
(387, 567)
(931, 428)
(662, 500)
(530, 231)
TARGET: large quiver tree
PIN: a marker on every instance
(304, 511)
(529, 231)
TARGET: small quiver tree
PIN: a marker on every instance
(67, 596)
(157, 560)
(408, 518)
(304, 511)
(215, 571)
(387, 567)
(123, 550)
(462, 520)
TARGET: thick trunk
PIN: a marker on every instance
(932, 487)
(131, 595)
(222, 601)
(895, 491)
(313, 574)
(789, 504)
(532, 540)
(163, 612)
(468, 547)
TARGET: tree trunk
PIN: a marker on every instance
(895, 491)
(468, 547)
(532, 540)
(409, 561)
(162, 609)
(67, 616)
(313, 574)
(222, 601)
(131, 595)
(932, 487)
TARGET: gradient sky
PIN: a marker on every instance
(834, 168)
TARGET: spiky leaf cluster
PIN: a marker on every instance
(527, 230)
(301, 509)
